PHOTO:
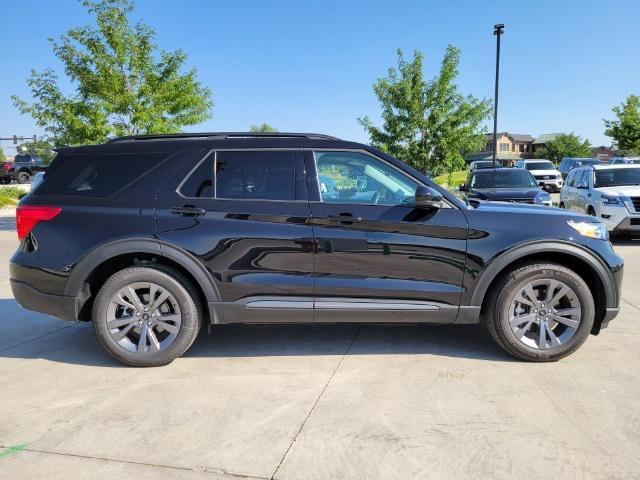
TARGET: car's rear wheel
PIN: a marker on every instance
(147, 316)
(24, 177)
(540, 312)
(561, 205)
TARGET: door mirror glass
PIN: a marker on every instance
(427, 197)
(462, 187)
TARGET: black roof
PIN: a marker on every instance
(223, 140)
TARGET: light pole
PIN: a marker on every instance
(497, 31)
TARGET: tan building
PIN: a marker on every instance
(512, 147)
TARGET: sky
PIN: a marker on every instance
(309, 66)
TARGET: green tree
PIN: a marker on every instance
(2, 156)
(565, 145)
(428, 124)
(41, 148)
(265, 127)
(124, 84)
(625, 131)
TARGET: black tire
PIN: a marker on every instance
(24, 177)
(182, 291)
(6, 180)
(499, 301)
(561, 205)
(591, 211)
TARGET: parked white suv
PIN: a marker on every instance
(545, 173)
(609, 192)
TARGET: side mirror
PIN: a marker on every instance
(581, 184)
(462, 187)
(427, 197)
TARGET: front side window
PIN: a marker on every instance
(255, 175)
(350, 177)
(571, 178)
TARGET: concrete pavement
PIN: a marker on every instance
(317, 402)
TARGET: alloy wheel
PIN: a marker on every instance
(143, 317)
(544, 314)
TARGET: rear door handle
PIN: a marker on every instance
(188, 211)
(346, 218)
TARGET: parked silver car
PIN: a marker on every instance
(609, 192)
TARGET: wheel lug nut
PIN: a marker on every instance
(535, 309)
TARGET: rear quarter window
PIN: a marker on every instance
(96, 175)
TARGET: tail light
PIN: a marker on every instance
(6, 166)
(28, 216)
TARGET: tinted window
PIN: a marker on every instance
(617, 177)
(200, 182)
(539, 166)
(571, 178)
(350, 177)
(259, 175)
(96, 175)
(502, 179)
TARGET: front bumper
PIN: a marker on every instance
(60, 306)
(618, 219)
(551, 184)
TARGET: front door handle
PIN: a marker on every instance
(346, 218)
(188, 211)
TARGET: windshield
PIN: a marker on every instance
(482, 165)
(588, 161)
(617, 177)
(502, 179)
(539, 166)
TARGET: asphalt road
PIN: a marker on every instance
(317, 402)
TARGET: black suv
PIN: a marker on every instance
(151, 237)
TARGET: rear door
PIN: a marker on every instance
(244, 214)
(378, 257)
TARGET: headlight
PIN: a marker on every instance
(611, 200)
(591, 230)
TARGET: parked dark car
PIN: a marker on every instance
(22, 170)
(153, 237)
(567, 164)
(505, 185)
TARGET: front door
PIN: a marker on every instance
(378, 257)
(244, 214)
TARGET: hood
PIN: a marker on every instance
(627, 191)
(524, 209)
(505, 194)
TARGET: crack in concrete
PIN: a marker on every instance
(35, 338)
(627, 301)
(203, 470)
(295, 437)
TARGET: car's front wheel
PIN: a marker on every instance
(24, 177)
(540, 312)
(147, 316)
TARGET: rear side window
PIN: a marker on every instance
(96, 175)
(255, 175)
(570, 178)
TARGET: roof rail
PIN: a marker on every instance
(221, 136)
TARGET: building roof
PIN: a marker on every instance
(516, 137)
(545, 138)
